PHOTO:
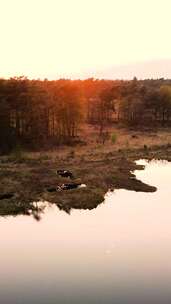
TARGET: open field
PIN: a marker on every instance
(91, 147)
(27, 175)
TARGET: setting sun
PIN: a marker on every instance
(85, 151)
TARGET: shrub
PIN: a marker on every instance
(17, 153)
(113, 138)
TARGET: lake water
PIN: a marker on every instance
(119, 252)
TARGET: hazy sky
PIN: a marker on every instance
(55, 38)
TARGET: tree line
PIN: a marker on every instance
(39, 113)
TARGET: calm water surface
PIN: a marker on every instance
(119, 252)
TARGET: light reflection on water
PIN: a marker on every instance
(117, 253)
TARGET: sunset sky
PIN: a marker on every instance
(70, 38)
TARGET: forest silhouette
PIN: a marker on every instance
(42, 113)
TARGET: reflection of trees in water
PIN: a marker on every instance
(11, 208)
(90, 200)
(65, 208)
(36, 209)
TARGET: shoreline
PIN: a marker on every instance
(28, 178)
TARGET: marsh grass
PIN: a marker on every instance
(100, 167)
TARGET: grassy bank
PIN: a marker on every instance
(100, 167)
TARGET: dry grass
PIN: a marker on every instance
(125, 139)
(99, 166)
